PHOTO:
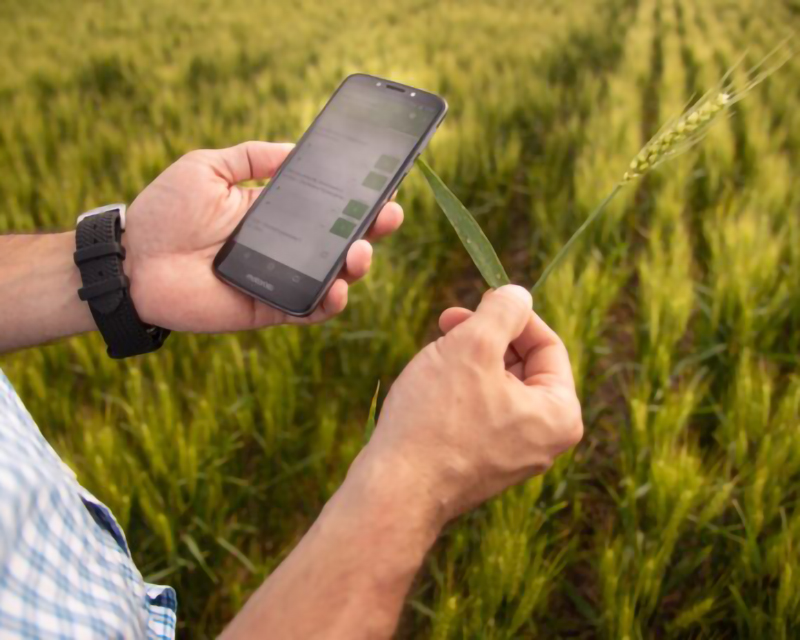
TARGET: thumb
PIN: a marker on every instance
(253, 160)
(501, 317)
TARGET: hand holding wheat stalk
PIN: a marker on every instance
(676, 136)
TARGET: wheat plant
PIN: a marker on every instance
(675, 137)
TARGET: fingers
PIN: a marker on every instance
(536, 356)
(455, 316)
(333, 304)
(388, 221)
(254, 160)
(358, 261)
(499, 319)
(544, 355)
(359, 256)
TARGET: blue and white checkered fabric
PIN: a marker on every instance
(65, 568)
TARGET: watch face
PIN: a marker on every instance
(109, 207)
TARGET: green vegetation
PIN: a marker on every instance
(676, 517)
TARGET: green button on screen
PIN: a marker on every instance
(343, 228)
(375, 181)
(387, 163)
(355, 209)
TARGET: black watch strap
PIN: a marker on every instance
(99, 255)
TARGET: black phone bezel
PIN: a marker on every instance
(237, 277)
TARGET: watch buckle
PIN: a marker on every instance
(122, 208)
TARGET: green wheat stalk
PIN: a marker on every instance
(676, 137)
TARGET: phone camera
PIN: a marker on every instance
(413, 93)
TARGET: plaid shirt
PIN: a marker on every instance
(65, 568)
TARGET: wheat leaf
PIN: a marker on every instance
(194, 549)
(370, 427)
(468, 230)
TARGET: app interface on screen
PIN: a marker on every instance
(335, 178)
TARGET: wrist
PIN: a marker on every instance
(130, 270)
(39, 284)
(361, 555)
(107, 284)
(77, 316)
(387, 487)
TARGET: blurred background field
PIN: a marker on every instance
(677, 516)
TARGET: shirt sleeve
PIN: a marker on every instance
(65, 572)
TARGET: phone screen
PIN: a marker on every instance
(324, 194)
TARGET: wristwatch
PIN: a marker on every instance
(99, 255)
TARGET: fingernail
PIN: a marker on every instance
(518, 292)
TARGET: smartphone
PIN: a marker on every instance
(293, 241)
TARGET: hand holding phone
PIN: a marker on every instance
(181, 220)
(291, 244)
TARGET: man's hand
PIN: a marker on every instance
(178, 224)
(484, 407)
(174, 229)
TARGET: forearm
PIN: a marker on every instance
(38, 290)
(349, 576)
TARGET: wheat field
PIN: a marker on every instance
(676, 517)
